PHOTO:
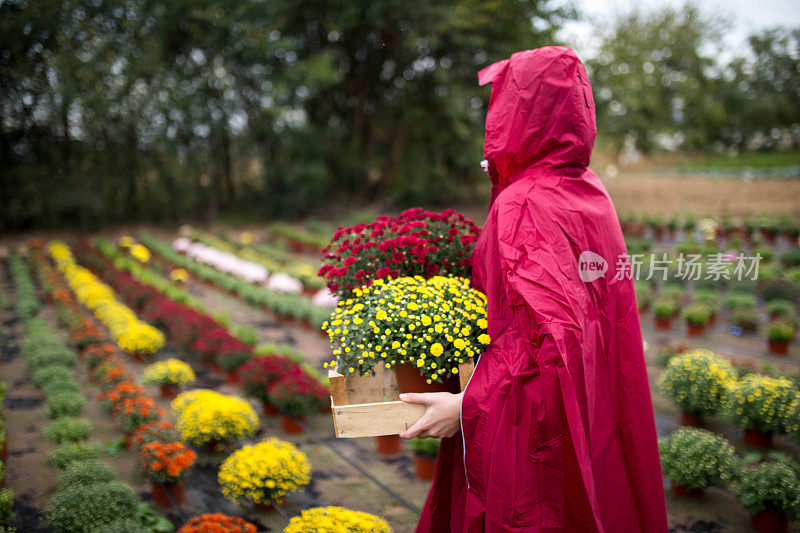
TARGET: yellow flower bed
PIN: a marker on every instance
(763, 403)
(269, 469)
(435, 324)
(169, 372)
(205, 416)
(130, 333)
(336, 520)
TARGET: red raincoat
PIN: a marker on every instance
(557, 429)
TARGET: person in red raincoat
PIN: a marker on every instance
(556, 424)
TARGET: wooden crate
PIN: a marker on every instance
(370, 406)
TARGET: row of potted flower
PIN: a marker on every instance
(704, 307)
(299, 275)
(215, 421)
(223, 261)
(163, 458)
(703, 384)
(767, 226)
(88, 495)
(291, 306)
(274, 258)
(190, 329)
(290, 390)
(695, 459)
(134, 336)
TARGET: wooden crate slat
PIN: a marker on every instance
(374, 419)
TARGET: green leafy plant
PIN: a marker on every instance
(57, 387)
(664, 308)
(697, 315)
(425, 447)
(85, 473)
(51, 374)
(57, 356)
(6, 512)
(245, 334)
(697, 458)
(780, 331)
(68, 429)
(770, 486)
(780, 309)
(65, 404)
(739, 300)
(150, 520)
(81, 508)
(780, 289)
(73, 451)
(791, 258)
(707, 297)
(698, 382)
(747, 319)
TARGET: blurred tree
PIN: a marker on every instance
(655, 79)
(127, 109)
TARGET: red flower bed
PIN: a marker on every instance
(260, 373)
(417, 242)
(298, 394)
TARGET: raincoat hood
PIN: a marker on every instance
(541, 115)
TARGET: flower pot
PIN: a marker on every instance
(692, 420)
(682, 491)
(129, 441)
(82, 352)
(268, 507)
(269, 409)
(410, 380)
(231, 378)
(389, 445)
(169, 391)
(137, 357)
(162, 493)
(695, 330)
(768, 521)
(779, 347)
(757, 439)
(663, 323)
(290, 426)
(426, 466)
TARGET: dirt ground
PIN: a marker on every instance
(635, 192)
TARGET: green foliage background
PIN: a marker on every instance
(119, 110)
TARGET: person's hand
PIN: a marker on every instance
(442, 416)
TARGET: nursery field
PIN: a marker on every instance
(153, 377)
